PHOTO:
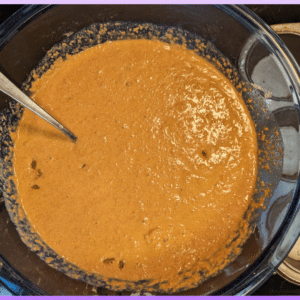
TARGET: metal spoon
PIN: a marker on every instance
(7, 87)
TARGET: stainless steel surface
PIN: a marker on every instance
(7, 87)
(290, 267)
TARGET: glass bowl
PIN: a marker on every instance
(261, 59)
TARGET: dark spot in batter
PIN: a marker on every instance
(108, 261)
(40, 173)
(121, 264)
(33, 164)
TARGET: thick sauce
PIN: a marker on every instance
(163, 170)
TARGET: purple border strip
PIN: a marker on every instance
(149, 2)
(156, 297)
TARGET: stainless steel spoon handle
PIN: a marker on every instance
(11, 90)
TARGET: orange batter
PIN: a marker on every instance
(163, 170)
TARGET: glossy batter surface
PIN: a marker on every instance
(163, 170)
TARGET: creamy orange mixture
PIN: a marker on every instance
(163, 170)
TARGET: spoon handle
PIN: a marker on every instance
(7, 87)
